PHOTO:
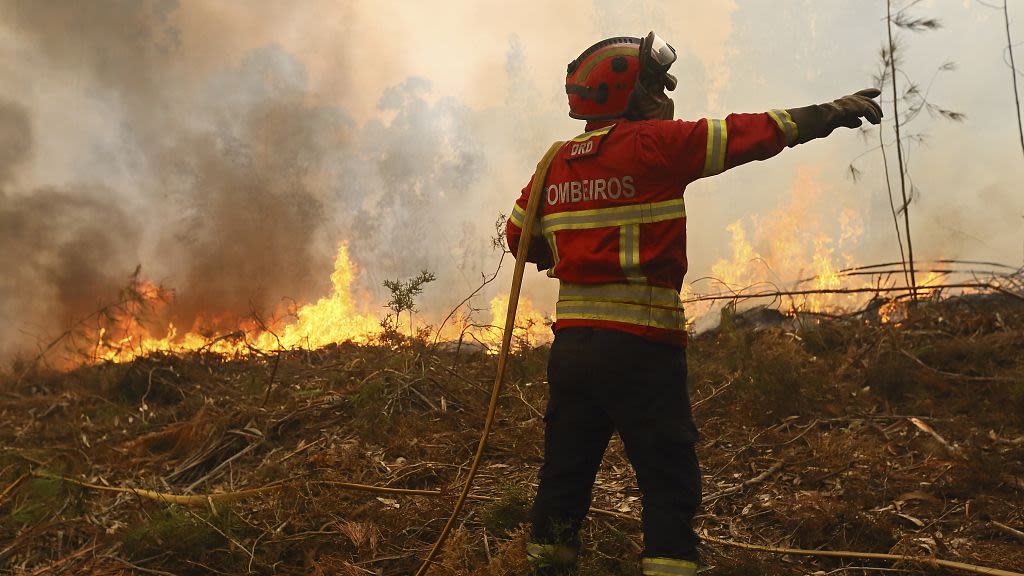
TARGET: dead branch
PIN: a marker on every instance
(873, 290)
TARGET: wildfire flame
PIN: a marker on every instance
(337, 317)
(532, 327)
(776, 250)
(787, 247)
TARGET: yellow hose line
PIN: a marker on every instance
(928, 561)
(536, 192)
(205, 499)
(181, 499)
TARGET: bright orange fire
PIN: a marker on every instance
(532, 326)
(774, 251)
(337, 317)
(790, 247)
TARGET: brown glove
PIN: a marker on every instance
(820, 120)
(648, 100)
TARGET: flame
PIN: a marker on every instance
(786, 248)
(334, 318)
(777, 250)
(337, 317)
(931, 279)
(532, 327)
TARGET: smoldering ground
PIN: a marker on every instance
(232, 186)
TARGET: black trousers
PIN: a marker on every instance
(602, 381)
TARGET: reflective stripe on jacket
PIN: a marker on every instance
(612, 222)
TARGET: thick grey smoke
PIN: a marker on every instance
(241, 188)
(61, 251)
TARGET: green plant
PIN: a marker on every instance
(505, 514)
(37, 499)
(174, 530)
(403, 298)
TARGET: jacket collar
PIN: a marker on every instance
(595, 124)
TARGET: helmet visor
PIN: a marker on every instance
(662, 52)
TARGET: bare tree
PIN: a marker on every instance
(1010, 63)
(899, 150)
(909, 99)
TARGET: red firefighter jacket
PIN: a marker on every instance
(612, 223)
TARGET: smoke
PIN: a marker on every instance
(15, 139)
(228, 148)
(61, 250)
(233, 187)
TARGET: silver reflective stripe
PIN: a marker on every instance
(626, 293)
(518, 213)
(553, 244)
(618, 216)
(668, 567)
(786, 124)
(636, 314)
(714, 155)
(629, 253)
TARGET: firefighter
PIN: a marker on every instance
(612, 230)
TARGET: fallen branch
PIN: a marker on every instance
(877, 290)
(932, 562)
(1009, 530)
(749, 482)
(61, 564)
(17, 482)
(181, 499)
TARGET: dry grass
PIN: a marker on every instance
(821, 408)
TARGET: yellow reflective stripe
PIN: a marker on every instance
(518, 213)
(785, 123)
(603, 55)
(588, 135)
(668, 567)
(629, 252)
(628, 293)
(553, 244)
(636, 314)
(617, 216)
(714, 155)
(545, 554)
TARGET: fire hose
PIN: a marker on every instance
(536, 192)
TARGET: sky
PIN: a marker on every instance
(228, 147)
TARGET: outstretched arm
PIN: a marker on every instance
(742, 138)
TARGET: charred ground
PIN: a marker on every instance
(832, 433)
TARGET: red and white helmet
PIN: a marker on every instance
(600, 81)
